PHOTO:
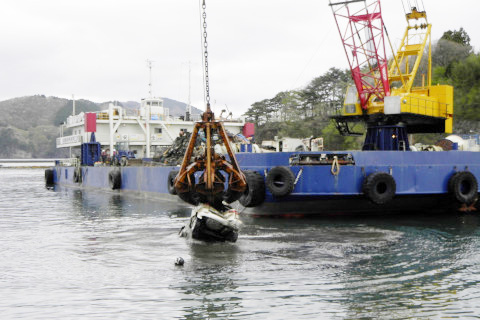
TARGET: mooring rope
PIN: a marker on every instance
(335, 166)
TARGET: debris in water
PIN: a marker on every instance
(208, 224)
(179, 261)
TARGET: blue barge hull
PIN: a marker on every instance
(421, 178)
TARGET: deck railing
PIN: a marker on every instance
(66, 141)
(69, 162)
(424, 106)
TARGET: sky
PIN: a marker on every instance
(98, 49)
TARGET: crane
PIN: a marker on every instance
(212, 167)
(389, 96)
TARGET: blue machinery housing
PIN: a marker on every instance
(323, 183)
(90, 151)
(386, 138)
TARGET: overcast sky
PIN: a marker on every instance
(97, 49)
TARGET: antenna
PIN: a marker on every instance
(228, 110)
(189, 106)
(73, 104)
(149, 66)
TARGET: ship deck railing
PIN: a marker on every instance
(69, 162)
(424, 106)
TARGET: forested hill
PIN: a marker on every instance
(29, 125)
(304, 112)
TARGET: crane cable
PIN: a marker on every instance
(394, 57)
(403, 6)
(205, 53)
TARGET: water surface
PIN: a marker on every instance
(86, 254)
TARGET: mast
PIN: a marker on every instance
(148, 111)
(189, 106)
(149, 65)
(73, 104)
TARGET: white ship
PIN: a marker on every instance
(145, 131)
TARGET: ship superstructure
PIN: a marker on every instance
(146, 130)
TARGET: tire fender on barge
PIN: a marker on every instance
(280, 181)
(115, 179)
(77, 175)
(49, 178)
(379, 187)
(171, 182)
(464, 187)
(254, 195)
(231, 196)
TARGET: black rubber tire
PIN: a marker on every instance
(115, 179)
(231, 196)
(379, 187)
(49, 180)
(280, 181)
(171, 182)
(77, 175)
(451, 180)
(254, 194)
(464, 187)
(193, 198)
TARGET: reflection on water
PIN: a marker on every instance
(72, 253)
(419, 275)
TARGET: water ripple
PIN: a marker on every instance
(68, 253)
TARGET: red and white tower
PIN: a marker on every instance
(360, 25)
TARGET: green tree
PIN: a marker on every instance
(10, 143)
(332, 140)
(80, 106)
(302, 113)
(453, 46)
(465, 77)
(326, 92)
(460, 37)
(253, 113)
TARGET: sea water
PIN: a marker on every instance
(70, 253)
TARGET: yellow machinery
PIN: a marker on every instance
(406, 97)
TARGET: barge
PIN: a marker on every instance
(306, 183)
(387, 176)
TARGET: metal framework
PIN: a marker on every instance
(360, 25)
(406, 62)
(211, 184)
